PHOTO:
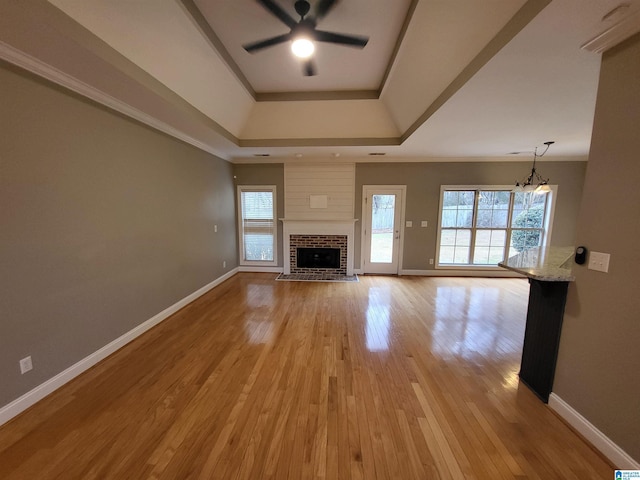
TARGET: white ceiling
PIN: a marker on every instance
(469, 79)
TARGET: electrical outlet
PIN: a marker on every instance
(224, 264)
(431, 261)
(424, 223)
(26, 364)
(409, 224)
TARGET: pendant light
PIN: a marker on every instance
(534, 182)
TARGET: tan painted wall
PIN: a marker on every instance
(598, 371)
(104, 223)
(423, 182)
(326, 119)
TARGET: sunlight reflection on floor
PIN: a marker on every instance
(378, 320)
(469, 322)
(258, 325)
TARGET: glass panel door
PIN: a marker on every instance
(382, 229)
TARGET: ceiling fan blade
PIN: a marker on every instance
(323, 7)
(309, 68)
(350, 40)
(277, 10)
(269, 42)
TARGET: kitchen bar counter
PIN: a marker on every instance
(549, 264)
(549, 272)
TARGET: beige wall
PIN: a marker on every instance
(423, 182)
(599, 359)
(104, 222)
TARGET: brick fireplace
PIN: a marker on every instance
(318, 234)
(318, 243)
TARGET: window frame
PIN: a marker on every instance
(546, 230)
(241, 243)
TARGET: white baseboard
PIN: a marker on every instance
(617, 456)
(30, 398)
(462, 273)
(454, 273)
(254, 269)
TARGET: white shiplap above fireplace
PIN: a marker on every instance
(319, 191)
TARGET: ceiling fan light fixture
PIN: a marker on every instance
(302, 47)
(303, 33)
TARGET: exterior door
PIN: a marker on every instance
(382, 229)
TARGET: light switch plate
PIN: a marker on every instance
(599, 261)
(409, 223)
(424, 223)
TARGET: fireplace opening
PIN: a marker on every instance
(318, 257)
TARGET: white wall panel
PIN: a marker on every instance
(336, 181)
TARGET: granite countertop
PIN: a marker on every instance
(549, 264)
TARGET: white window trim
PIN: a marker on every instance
(257, 188)
(546, 237)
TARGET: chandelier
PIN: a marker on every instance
(534, 182)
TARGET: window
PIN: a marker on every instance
(257, 225)
(481, 227)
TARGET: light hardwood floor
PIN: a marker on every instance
(399, 378)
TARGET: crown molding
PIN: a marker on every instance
(31, 64)
(614, 35)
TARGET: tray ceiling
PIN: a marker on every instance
(437, 78)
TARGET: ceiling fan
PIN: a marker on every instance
(303, 32)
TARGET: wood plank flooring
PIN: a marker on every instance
(388, 378)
